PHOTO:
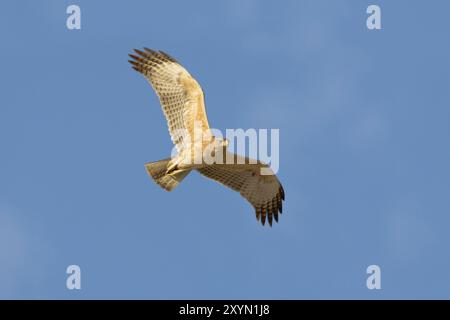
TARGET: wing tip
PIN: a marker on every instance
(148, 58)
(271, 210)
(139, 52)
(168, 57)
(156, 56)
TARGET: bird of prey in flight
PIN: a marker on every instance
(182, 102)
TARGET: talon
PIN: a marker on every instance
(171, 168)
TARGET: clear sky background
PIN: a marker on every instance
(364, 150)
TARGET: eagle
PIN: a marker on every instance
(183, 104)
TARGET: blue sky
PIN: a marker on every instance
(363, 118)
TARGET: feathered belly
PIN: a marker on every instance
(201, 154)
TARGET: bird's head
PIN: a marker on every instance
(225, 143)
(221, 143)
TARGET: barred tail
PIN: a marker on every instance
(158, 171)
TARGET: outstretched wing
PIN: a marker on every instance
(181, 97)
(264, 192)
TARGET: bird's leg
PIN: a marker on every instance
(174, 165)
(171, 167)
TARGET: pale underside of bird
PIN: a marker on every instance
(183, 105)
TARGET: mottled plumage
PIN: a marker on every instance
(182, 101)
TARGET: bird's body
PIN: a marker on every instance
(182, 101)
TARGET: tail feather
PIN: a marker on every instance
(158, 171)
